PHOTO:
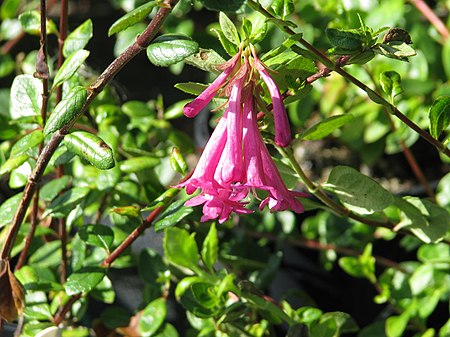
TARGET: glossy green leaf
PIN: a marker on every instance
(153, 316)
(167, 330)
(210, 248)
(70, 66)
(169, 49)
(180, 248)
(104, 291)
(228, 29)
(225, 6)
(127, 37)
(325, 127)
(48, 255)
(259, 27)
(283, 8)
(13, 163)
(8, 209)
(66, 110)
(421, 279)
(91, 148)
(396, 50)
(391, 84)
(205, 59)
(138, 164)
(84, 280)
(7, 65)
(131, 18)
(50, 190)
(358, 192)
(333, 324)
(436, 254)
(63, 204)
(27, 142)
(172, 215)
(137, 109)
(445, 330)
(114, 317)
(31, 23)
(439, 115)
(26, 96)
(78, 39)
(97, 235)
(129, 211)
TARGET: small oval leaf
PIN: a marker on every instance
(66, 110)
(70, 66)
(169, 49)
(84, 280)
(153, 317)
(439, 115)
(131, 18)
(138, 164)
(13, 163)
(78, 39)
(27, 142)
(325, 127)
(91, 148)
(97, 235)
(26, 96)
(358, 192)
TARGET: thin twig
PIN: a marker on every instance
(138, 46)
(432, 18)
(61, 314)
(42, 72)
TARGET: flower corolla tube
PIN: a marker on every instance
(236, 162)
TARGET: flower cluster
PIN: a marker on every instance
(235, 161)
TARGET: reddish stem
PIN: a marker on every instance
(432, 18)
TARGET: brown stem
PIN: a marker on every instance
(42, 72)
(132, 237)
(30, 236)
(432, 18)
(63, 23)
(61, 314)
(139, 45)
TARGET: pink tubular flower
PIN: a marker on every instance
(192, 109)
(282, 129)
(236, 161)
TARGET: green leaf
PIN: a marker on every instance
(131, 18)
(63, 204)
(437, 255)
(84, 280)
(26, 96)
(27, 142)
(391, 84)
(421, 279)
(114, 317)
(97, 235)
(345, 39)
(51, 189)
(172, 215)
(229, 46)
(205, 59)
(127, 37)
(446, 57)
(396, 325)
(259, 27)
(325, 127)
(167, 330)
(225, 6)
(137, 109)
(129, 211)
(91, 148)
(229, 29)
(445, 330)
(48, 255)
(9, 9)
(180, 248)
(358, 192)
(210, 249)
(66, 110)
(333, 324)
(31, 23)
(13, 163)
(439, 115)
(8, 209)
(191, 87)
(137, 164)
(169, 49)
(7, 65)
(70, 66)
(396, 50)
(78, 39)
(151, 266)
(283, 7)
(153, 317)
(104, 291)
